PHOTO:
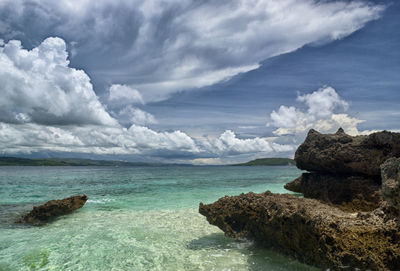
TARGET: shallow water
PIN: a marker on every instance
(136, 218)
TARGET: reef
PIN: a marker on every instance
(52, 209)
(349, 216)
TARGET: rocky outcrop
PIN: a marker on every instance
(343, 154)
(349, 193)
(314, 232)
(53, 209)
(349, 216)
(345, 170)
(391, 183)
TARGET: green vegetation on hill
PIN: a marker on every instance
(13, 161)
(269, 162)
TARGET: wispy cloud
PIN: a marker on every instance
(163, 47)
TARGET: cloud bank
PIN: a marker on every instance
(49, 106)
(30, 137)
(162, 47)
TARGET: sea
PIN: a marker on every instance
(136, 218)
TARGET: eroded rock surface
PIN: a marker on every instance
(52, 209)
(391, 183)
(344, 154)
(349, 193)
(312, 231)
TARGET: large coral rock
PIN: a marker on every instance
(312, 231)
(391, 183)
(349, 193)
(341, 153)
(52, 209)
(349, 216)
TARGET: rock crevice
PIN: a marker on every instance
(348, 192)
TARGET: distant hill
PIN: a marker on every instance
(13, 161)
(269, 162)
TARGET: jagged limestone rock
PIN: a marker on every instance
(340, 153)
(311, 231)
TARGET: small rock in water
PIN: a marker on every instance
(52, 209)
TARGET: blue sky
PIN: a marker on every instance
(183, 81)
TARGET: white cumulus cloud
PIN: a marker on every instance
(324, 112)
(322, 102)
(132, 115)
(46, 105)
(227, 143)
(125, 94)
(39, 86)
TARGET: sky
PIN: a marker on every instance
(201, 82)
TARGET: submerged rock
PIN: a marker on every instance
(340, 153)
(52, 209)
(312, 231)
(349, 193)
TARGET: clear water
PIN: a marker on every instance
(137, 218)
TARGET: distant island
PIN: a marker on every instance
(14, 161)
(269, 162)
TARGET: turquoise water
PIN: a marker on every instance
(136, 218)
